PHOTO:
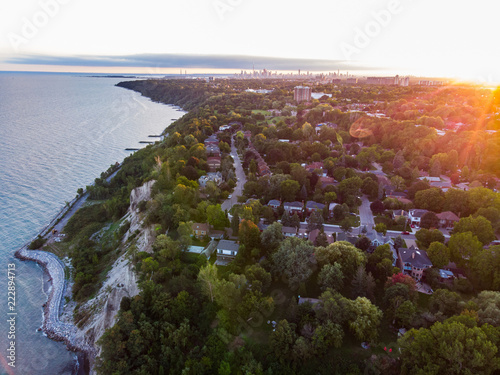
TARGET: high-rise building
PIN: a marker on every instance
(302, 94)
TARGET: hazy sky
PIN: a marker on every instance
(444, 37)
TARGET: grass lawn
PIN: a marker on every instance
(265, 113)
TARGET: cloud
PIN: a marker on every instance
(189, 61)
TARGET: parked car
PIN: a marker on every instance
(406, 232)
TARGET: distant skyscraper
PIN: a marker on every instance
(302, 94)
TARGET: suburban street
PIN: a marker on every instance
(240, 182)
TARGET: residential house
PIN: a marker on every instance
(314, 166)
(378, 239)
(200, 230)
(315, 232)
(396, 214)
(312, 206)
(446, 276)
(215, 177)
(274, 204)
(327, 181)
(212, 140)
(413, 262)
(216, 234)
(342, 236)
(289, 231)
(226, 251)
(302, 233)
(212, 150)
(213, 163)
(292, 207)
(447, 219)
(415, 216)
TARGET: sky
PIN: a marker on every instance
(452, 38)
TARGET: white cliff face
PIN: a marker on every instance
(146, 236)
(121, 280)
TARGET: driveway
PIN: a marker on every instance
(240, 182)
(365, 214)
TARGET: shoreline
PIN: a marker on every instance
(52, 326)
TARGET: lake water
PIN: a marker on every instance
(57, 133)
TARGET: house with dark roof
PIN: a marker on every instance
(413, 262)
(274, 204)
(447, 219)
(289, 231)
(415, 216)
(312, 206)
(226, 251)
(314, 234)
(292, 207)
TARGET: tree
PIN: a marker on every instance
(405, 313)
(216, 217)
(380, 262)
(445, 303)
(429, 220)
(166, 247)
(478, 226)
(398, 182)
(340, 211)
(331, 276)
(425, 237)
(381, 228)
(456, 201)
(258, 277)
(235, 224)
(363, 243)
(285, 219)
(362, 284)
(488, 303)
(449, 348)
(416, 187)
(315, 221)
(209, 280)
(401, 278)
(294, 260)
(377, 207)
(289, 190)
(346, 225)
(364, 319)
(485, 268)
(439, 254)
(394, 296)
(321, 239)
(464, 247)
(271, 237)
(281, 340)
(344, 253)
(349, 187)
(370, 188)
(295, 220)
(249, 234)
(326, 336)
(431, 199)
